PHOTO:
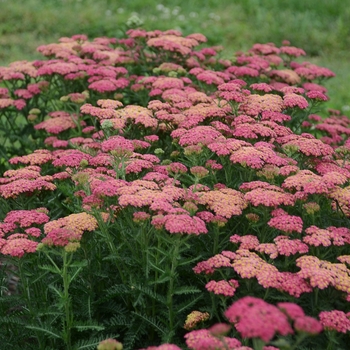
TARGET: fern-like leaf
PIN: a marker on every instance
(92, 343)
(88, 326)
(150, 293)
(187, 290)
(47, 331)
(156, 324)
(187, 304)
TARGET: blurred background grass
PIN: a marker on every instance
(320, 27)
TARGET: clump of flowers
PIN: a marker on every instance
(186, 181)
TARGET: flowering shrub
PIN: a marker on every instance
(156, 196)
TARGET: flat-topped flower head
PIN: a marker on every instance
(199, 171)
(38, 157)
(60, 237)
(111, 344)
(215, 262)
(184, 224)
(226, 288)
(225, 202)
(308, 325)
(249, 242)
(291, 100)
(195, 318)
(107, 103)
(14, 188)
(255, 104)
(70, 157)
(288, 247)
(202, 339)
(271, 196)
(311, 71)
(17, 246)
(254, 318)
(292, 310)
(26, 218)
(109, 85)
(287, 223)
(57, 124)
(335, 320)
(118, 146)
(74, 224)
(292, 51)
(197, 135)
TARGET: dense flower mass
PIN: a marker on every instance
(189, 182)
(254, 318)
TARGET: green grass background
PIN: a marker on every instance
(320, 27)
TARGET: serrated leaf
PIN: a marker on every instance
(49, 268)
(187, 304)
(44, 330)
(153, 322)
(150, 293)
(189, 261)
(91, 344)
(187, 290)
(84, 327)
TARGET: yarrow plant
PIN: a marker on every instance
(156, 196)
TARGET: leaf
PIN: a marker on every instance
(189, 261)
(187, 304)
(44, 330)
(88, 326)
(119, 320)
(49, 268)
(92, 343)
(150, 293)
(187, 290)
(153, 322)
(157, 268)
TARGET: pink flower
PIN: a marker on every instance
(249, 242)
(226, 288)
(225, 202)
(335, 320)
(26, 218)
(219, 329)
(199, 134)
(203, 340)
(307, 324)
(109, 85)
(287, 247)
(254, 318)
(292, 100)
(118, 146)
(292, 51)
(292, 310)
(269, 197)
(58, 124)
(287, 223)
(17, 246)
(215, 262)
(317, 95)
(199, 171)
(184, 223)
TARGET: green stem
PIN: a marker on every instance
(68, 322)
(170, 295)
(109, 240)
